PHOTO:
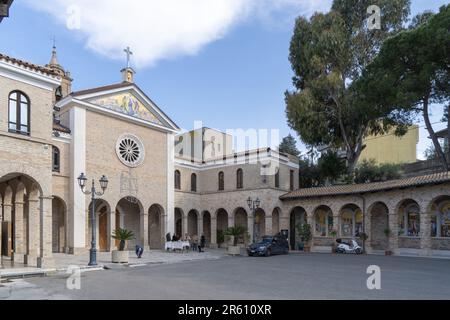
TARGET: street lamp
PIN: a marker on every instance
(253, 206)
(82, 179)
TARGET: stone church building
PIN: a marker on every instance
(164, 181)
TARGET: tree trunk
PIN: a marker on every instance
(437, 145)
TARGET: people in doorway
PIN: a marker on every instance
(194, 243)
(174, 238)
(168, 238)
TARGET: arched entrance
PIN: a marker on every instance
(192, 223)
(59, 233)
(128, 214)
(155, 221)
(102, 210)
(241, 219)
(409, 218)
(440, 218)
(276, 221)
(323, 221)
(379, 221)
(297, 218)
(222, 224)
(178, 222)
(260, 224)
(351, 221)
(207, 226)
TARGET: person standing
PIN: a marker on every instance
(194, 242)
(202, 243)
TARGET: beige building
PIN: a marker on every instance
(164, 181)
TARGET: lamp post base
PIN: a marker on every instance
(92, 257)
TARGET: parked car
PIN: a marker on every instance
(268, 246)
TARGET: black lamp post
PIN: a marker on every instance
(253, 206)
(93, 193)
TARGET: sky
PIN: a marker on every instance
(222, 62)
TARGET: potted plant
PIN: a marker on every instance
(363, 236)
(387, 233)
(333, 234)
(220, 238)
(304, 231)
(121, 256)
(235, 232)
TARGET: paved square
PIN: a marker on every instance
(296, 276)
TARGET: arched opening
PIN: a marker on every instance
(207, 226)
(260, 224)
(193, 182)
(276, 221)
(239, 179)
(59, 232)
(192, 223)
(440, 218)
(241, 219)
(323, 220)
(351, 221)
(222, 224)
(155, 221)
(102, 212)
(379, 222)
(177, 180)
(178, 223)
(128, 214)
(296, 219)
(408, 218)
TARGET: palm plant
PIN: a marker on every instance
(236, 232)
(122, 235)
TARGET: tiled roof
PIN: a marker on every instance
(28, 65)
(350, 189)
(57, 126)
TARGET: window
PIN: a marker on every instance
(239, 179)
(277, 178)
(177, 180)
(291, 180)
(193, 182)
(56, 160)
(440, 220)
(19, 113)
(221, 181)
(324, 222)
(351, 222)
(409, 220)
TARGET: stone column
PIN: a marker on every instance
(19, 237)
(213, 232)
(268, 230)
(45, 259)
(284, 222)
(199, 226)
(336, 225)
(393, 227)
(111, 227)
(7, 217)
(184, 225)
(425, 232)
(32, 251)
(144, 231)
(367, 231)
(231, 221)
(250, 224)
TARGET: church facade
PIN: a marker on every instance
(164, 181)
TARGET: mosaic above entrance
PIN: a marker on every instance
(127, 104)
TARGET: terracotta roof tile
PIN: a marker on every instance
(28, 65)
(350, 189)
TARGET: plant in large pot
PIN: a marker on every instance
(123, 235)
(305, 234)
(235, 232)
(387, 233)
(220, 238)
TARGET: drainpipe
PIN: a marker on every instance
(364, 219)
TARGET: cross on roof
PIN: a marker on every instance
(129, 53)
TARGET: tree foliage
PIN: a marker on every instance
(411, 72)
(369, 171)
(289, 145)
(328, 53)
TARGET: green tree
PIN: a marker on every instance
(289, 145)
(331, 166)
(369, 171)
(411, 72)
(328, 53)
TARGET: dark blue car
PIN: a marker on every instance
(268, 246)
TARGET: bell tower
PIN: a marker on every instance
(66, 81)
(128, 72)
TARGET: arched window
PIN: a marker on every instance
(193, 182)
(323, 221)
(221, 181)
(56, 160)
(277, 178)
(351, 221)
(239, 179)
(409, 219)
(177, 180)
(291, 180)
(19, 113)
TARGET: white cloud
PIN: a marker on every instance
(162, 29)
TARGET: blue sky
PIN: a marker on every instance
(229, 71)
